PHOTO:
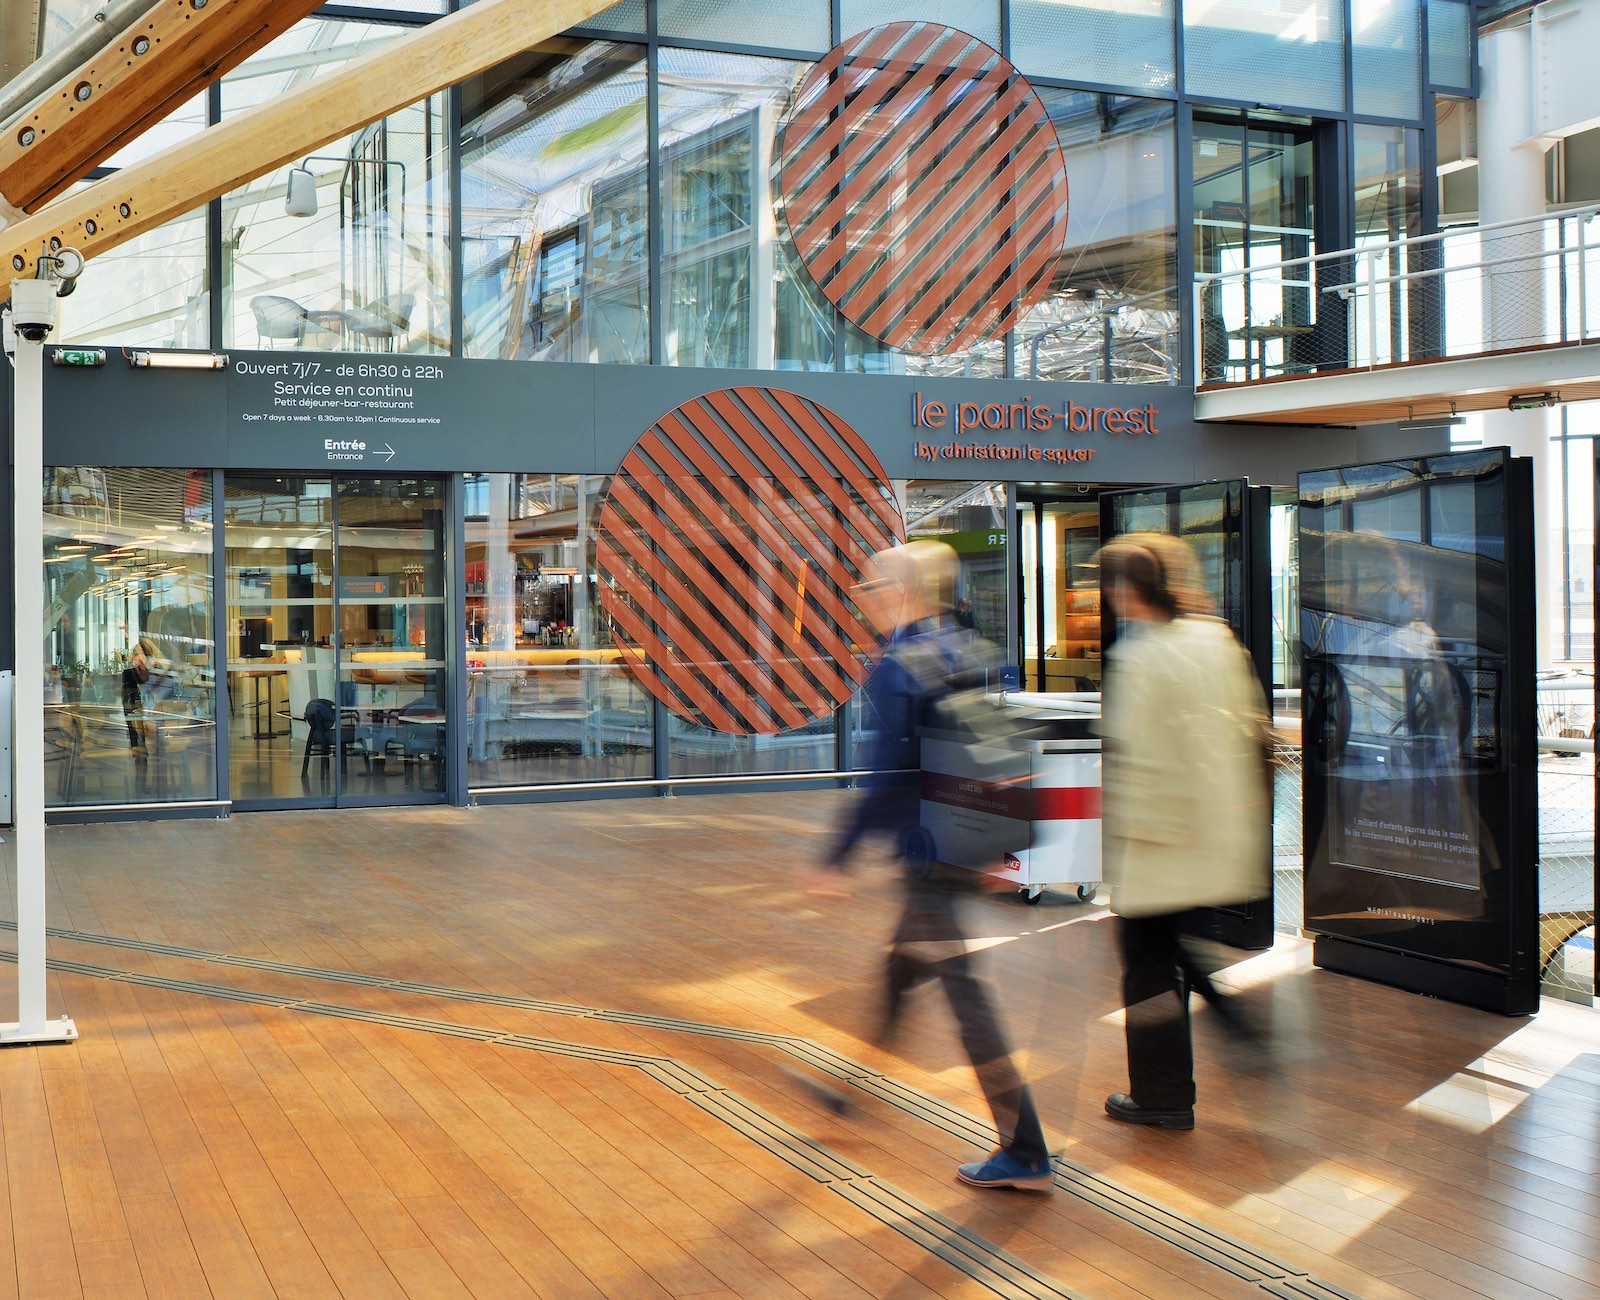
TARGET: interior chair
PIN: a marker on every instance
(321, 734)
(279, 318)
(418, 742)
(385, 320)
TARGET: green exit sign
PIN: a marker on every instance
(79, 357)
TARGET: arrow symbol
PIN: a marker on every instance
(389, 452)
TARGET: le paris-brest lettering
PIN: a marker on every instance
(1028, 416)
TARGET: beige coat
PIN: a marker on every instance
(1186, 800)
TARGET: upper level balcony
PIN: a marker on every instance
(1420, 328)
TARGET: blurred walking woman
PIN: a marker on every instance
(1186, 803)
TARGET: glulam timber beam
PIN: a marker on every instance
(170, 54)
(179, 179)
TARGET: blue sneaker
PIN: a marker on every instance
(1003, 1169)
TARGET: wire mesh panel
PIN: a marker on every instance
(1566, 837)
(1287, 847)
(1566, 874)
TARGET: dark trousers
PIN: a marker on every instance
(929, 944)
(1155, 991)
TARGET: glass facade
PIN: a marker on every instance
(1386, 57)
(611, 197)
(1285, 55)
(1110, 42)
(555, 224)
(349, 250)
(548, 697)
(150, 292)
(130, 688)
(1113, 311)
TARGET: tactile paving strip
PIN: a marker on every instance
(1272, 1275)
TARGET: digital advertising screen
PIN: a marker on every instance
(1420, 808)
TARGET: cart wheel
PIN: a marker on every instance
(1086, 893)
(919, 853)
(1032, 894)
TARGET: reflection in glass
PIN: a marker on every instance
(548, 699)
(1108, 42)
(1254, 198)
(130, 687)
(1406, 643)
(1112, 314)
(1386, 57)
(1290, 53)
(148, 292)
(781, 24)
(555, 211)
(1450, 44)
(369, 268)
(1388, 191)
(278, 598)
(971, 518)
(980, 18)
(734, 298)
(392, 702)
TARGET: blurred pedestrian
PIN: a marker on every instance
(908, 597)
(1187, 806)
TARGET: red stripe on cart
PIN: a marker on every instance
(1018, 801)
(1066, 803)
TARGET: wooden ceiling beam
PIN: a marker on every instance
(176, 50)
(178, 180)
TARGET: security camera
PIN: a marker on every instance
(33, 308)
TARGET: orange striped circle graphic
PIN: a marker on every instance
(923, 186)
(727, 545)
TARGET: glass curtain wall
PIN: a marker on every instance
(732, 298)
(357, 256)
(1113, 313)
(130, 688)
(548, 699)
(555, 213)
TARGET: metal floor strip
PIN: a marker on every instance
(1208, 1244)
(980, 1259)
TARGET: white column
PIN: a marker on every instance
(27, 713)
(1511, 185)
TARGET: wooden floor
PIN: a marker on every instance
(547, 1051)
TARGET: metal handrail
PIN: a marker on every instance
(1411, 241)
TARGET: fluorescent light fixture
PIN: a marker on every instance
(74, 546)
(1532, 401)
(142, 359)
(1432, 422)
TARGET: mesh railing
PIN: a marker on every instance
(1521, 284)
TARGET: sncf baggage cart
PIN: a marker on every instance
(1025, 807)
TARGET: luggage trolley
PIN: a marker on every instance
(1026, 809)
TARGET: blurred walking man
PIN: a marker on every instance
(908, 597)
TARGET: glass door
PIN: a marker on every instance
(1228, 526)
(392, 705)
(278, 584)
(1059, 589)
(1253, 207)
(336, 640)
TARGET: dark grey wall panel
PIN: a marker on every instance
(375, 412)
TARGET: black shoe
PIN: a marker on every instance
(1121, 1106)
